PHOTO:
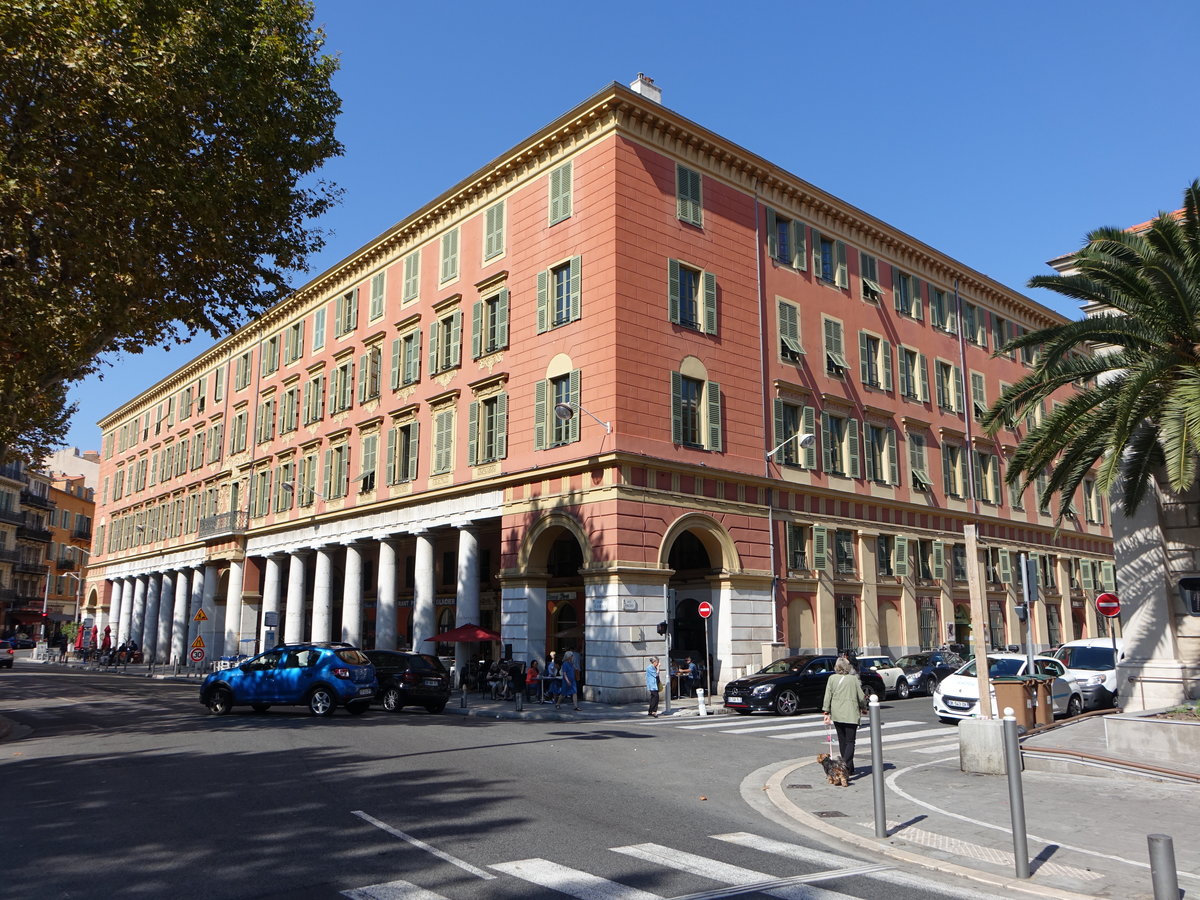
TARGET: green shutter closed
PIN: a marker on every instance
(575, 396)
(843, 271)
(712, 394)
(1005, 567)
(1087, 576)
(885, 349)
(710, 303)
(852, 441)
(502, 319)
(821, 549)
(543, 301)
(673, 291)
(576, 287)
(780, 437)
(435, 330)
(900, 557)
(456, 338)
(390, 468)
(827, 442)
(472, 432)
(540, 424)
(395, 372)
(939, 560)
(808, 417)
(676, 408)
(893, 457)
(477, 329)
(414, 447)
(501, 448)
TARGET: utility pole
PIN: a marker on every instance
(977, 622)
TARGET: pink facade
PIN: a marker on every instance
(378, 458)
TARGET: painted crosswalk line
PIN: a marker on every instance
(392, 890)
(571, 882)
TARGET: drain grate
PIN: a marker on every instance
(799, 787)
(830, 814)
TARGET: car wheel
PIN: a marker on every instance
(901, 689)
(357, 708)
(391, 700)
(260, 707)
(1074, 706)
(787, 703)
(928, 685)
(436, 707)
(321, 702)
(220, 701)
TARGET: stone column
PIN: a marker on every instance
(127, 601)
(322, 614)
(385, 597)
(138, 625)
(150, 625)
(208, 600)
(293, 630)
(113, 620)
(352, 597)
(424, 614)
(179, 620)
(467, 589)
(271, 579)
(233, 608)
(166, 610)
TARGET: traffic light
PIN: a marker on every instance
(661, 628)
(1022, 612)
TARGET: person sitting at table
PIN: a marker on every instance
(690, 673)
(531, 681)
(495, 677)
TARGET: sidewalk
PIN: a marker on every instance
(1086, 834)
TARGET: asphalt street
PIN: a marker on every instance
(122, 786)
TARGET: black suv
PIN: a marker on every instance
(410, 679)
(788, 685)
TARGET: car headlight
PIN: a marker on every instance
(1095, 679)
(762, 690)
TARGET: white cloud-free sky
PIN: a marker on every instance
(1000, 133)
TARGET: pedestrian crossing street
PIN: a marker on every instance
(854, 878)
(904, 734)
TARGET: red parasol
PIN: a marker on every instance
(464, 634)
(107, 643)
(79, 639)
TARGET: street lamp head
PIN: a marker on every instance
(563, 412)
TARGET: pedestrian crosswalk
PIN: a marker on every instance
(903, 733)
(847, 877)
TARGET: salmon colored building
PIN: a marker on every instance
(624, 368)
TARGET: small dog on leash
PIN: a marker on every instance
(835, 769)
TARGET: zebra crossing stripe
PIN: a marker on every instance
(416, 842)
(572, 882)
(865, 734)
(392, 890)
(797, 719)
(938, 748)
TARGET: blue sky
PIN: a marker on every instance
(1000, 133)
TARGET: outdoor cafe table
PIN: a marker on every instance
(542, 679)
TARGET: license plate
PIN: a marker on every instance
(364, 691)
(958, 704)
(431, 682)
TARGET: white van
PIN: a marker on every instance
(1091, 663)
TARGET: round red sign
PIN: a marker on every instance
(1108, 605)
(705, 609)
(197, 654)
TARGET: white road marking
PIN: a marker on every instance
(440, 854)
(730, 720)
(863, 735)
(938, 748)
(572, 882)
(392, 890)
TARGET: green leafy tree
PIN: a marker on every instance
(157, 180)
(1137, 417)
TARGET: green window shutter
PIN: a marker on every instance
(939, 560)
(339, 313)
(799, 245)
(795, 545)
(1108, 575)
(821, 549)
(947, 471)
(456, 338)
(688, 199)
(852, 441)
(560, 193)
(377, 288)
(808, 416)
(916, 298)
(827, 442)
(924, 376)
(906, 374)
(977, 465)
(364, 366)
(780, 437)
(897, 297)
(414, 364)
(501, 426)
(412, 272)
(540, 392)
(396, 373)
(900, 557)
(978, 397)
(816, 253)
(1005, 567)
(673, 290)
(994, 471)
(885, 350)
(502, 318)
(444, 453)
(494, 226)
(676, 408)
(956, 378)
(328, 485)
(477, 329)
(1087, 576)
(390, 469)
(543, 301)
(576, 287)
(772, 235)
(710, 303)
(352, 319)
(450, 255)
(864, 358)
(435, 331)
(575, 392)
(472, 432)
(843, 271)
(414, 448)
(963, 462)
(712, 394)
(893, 457)
(869, 442)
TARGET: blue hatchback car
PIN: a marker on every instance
(321, 676)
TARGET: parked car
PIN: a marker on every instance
(410, 679)
(957, 696)
(321, 676)
(894, 681)
(924, 670)
(22, 643)
(790, 684)
(7, 654)
(1094, 666)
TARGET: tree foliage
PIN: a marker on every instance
(157, 180)
(1138, 416)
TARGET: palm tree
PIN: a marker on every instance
(1137, 417)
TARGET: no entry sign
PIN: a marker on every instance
(705, 609)
(1108, 605)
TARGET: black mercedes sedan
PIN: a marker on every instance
(790, 684)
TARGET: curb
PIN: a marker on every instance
(885, 846)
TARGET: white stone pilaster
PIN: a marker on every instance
(293, 626)
(352, 596)
(385, 597)
(322, 614)
(424, 620)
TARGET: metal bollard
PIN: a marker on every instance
(520, 698)
(877, 767)
(462, 697)
(701, 708)
(1162, 867)
(1016, 795)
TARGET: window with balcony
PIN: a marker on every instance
(691, 297)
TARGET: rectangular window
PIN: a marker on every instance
(791, 421)
(449, 255)
(1093, 506)
(346, 313)
(293, 342)
(942, 314)
(835, 352)
(1002, 333)
(559, 294)
(797, 547)
(1016, 496)
(406, 366)
(868, 266)
(489, 324)
(268, 362)
(285, 473)
(829, 259)
(696, 412)
(445, 343)
(548, 429)
(987, 478)
(185, 403)
(337, 471)
(264, 429)
(218, 388)
(403, 444)
(314, 399)
(839, 445)
(370, 373)
(958, 562)
(378, 289)
(412, 276)
(875, 361)
(879, 451)
(689, 205)
(974, 323)
(954, 473)
(319, 329)
(789, 331)
(914, 375)
(216, 442)
(237, 439)
(949, 386)
(493, 231)
(906, 293)
(884, 551)
(241, 376)
(979, 404)
(785, 240)
(341, 387)
(487, 430)
(370, 451)
(560, 193)
(1041, 484)
(843, 547)
(260, 493)
(443, 441)
(917, 463)
(691, 297)
(289, 410)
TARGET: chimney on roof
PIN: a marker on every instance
(645, 86)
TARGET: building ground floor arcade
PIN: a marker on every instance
(594, 568)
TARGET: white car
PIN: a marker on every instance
(957, 696)
(893, 676)
(1091, 662)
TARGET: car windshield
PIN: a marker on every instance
(783, 666)
(916, 661)
(352, 656)
(1097, 659)
(998, 667)
(875, 662)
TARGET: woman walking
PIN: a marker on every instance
(652, 686)
(568, 686)
(844, 705)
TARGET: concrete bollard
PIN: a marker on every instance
(701, 708)
(877, 768)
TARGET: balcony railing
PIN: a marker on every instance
(12, 471)
(12, 516)
(34, 533)
(81, 534)
(31, 568)
(65, 564)
(10, 556)
(29, 498)
(224, 524)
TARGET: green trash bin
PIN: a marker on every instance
(1012, 691)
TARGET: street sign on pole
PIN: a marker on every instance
(197, 654)
(705, 609)
(1108, 605)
